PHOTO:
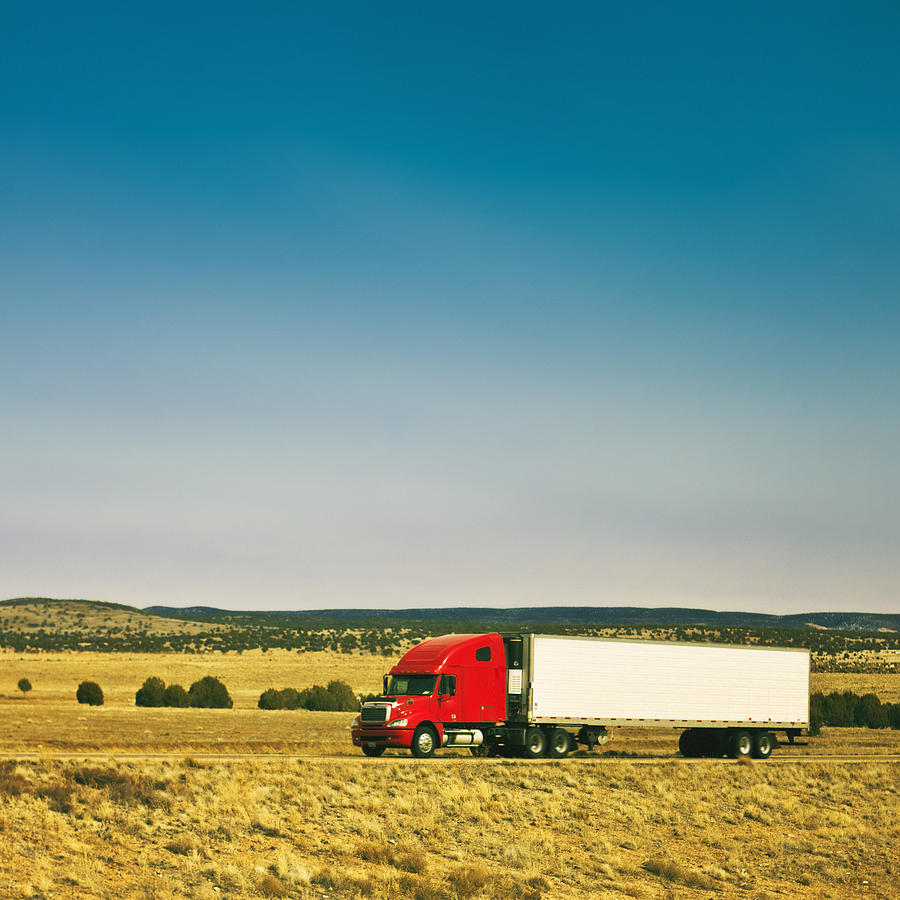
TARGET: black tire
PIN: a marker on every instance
(484, 749)
(373, 751)
(560, 743)
(689, 744)
(741, 744)
(710, 742)
(424, 742)
(763, 744)
(535, 743)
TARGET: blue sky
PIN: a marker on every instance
(405, 306)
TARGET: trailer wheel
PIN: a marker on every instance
(424, 742)
(535, 743)
(688, 743)
(560, 743)
(741, 744)
(762, 745)
(373, 751)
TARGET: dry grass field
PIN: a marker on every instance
(48, 718)
(454, 829)
(605, 824)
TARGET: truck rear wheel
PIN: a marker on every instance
(424, 742)
(535, 743)
(763, 744)
(560, 743)
(741, 744)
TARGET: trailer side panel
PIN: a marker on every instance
(615, 682)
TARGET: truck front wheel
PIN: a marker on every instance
(424, 742)
(535, 743)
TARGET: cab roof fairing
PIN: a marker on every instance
(432, 655)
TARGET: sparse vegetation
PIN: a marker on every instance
(464, 829)
(89, 692)
(338, 696)
(598, 825)
(839, 642)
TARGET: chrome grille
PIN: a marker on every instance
(373, 713)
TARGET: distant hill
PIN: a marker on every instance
(547, 616)
(865, 642)
(30, 615)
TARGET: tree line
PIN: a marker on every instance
(845, 709)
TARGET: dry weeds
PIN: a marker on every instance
(467, 828)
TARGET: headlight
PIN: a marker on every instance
(398, 723)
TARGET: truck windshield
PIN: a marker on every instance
(411, 684)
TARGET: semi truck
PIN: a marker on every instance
(536, 695)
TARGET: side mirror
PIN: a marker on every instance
(384, 684)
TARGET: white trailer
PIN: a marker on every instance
(729, 699)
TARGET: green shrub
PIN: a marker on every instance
(343, 697)
(287, 698)
(24, 685)
(210, 693)
(89, 692)
(175, 695)
(152, 693)
(844, 709)
(337, 697)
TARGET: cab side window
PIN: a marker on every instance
(448, 685)
(483, 654)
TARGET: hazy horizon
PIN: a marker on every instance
(399, 307)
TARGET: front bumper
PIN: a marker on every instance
(381, 737)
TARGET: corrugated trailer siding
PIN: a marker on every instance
(623, 680)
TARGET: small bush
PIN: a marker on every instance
(287, 698)
(24, 685)
(210, 693)
(175, 695)
(89, 692)
(152, 693)
(342, 696)
(337, 697)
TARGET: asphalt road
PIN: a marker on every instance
(113, 756)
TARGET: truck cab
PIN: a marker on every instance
(442, 693)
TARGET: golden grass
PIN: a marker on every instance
(465, 828)
(55, 676)
(599, 825)
(885, 685)
(48, 718)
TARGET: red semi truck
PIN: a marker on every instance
(534, 695)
